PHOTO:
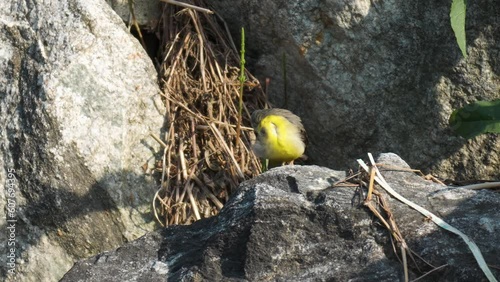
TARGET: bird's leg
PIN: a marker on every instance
(265, 164)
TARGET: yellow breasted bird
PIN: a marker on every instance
(281, 137)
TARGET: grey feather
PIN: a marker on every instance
(259, 115)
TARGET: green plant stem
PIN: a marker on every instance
(242, 79)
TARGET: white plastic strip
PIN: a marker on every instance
(441, 223)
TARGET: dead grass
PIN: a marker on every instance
(203, 161)
(376, 201)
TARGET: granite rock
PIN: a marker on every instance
(376, 76)
(78, 99)
(289, 224)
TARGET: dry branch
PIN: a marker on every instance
(204, 161)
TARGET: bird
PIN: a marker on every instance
(280, 135)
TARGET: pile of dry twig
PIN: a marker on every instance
(203, 160)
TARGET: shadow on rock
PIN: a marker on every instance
(268, 231)
(73, 222)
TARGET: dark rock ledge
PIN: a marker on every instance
(288, 225)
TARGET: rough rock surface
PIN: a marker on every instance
(146, 12)
(77, 104)
(288, 225)
(377, 76)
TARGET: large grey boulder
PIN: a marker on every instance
(79, 97)
(288, 224)
(376, 76)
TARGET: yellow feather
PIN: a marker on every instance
(278, 139)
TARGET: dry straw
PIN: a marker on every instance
(390, 223)
(203, 161)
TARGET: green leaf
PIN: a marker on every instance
(457, 19)
(476, 118)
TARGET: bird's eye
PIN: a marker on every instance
(262, 132)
